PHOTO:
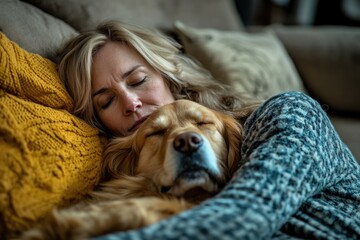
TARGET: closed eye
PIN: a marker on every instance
(202, 123)
(158, 132)
(107, 103)
(139, 82)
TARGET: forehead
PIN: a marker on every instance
(116, 52)
(114, 59)
(181, 113)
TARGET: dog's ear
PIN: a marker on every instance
(120, 157)
(233, 136)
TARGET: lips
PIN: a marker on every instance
(138, 123)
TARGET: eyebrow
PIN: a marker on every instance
(124, 75)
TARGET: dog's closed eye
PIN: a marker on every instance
(202, 123)
(156, 132)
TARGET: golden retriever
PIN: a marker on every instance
(181, 155)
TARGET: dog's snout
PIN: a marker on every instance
(187, 142)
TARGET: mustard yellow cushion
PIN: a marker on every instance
(48, 156)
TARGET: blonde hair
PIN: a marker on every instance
(185, 78)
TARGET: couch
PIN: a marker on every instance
(51, 158)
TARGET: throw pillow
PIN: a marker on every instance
(48, 156)
(252, 63)
(33, 29)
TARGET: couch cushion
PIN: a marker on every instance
(33, 29)
(328, 60)
(349, 131)
(85, 14)
(48, 156)
(256, 63)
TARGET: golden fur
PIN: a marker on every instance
(181, 155)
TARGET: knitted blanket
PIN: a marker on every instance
(297, 179)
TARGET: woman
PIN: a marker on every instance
(296, 178)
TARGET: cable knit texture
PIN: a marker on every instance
(48, 156)
(296, 180)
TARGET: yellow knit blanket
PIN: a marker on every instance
(48, 157)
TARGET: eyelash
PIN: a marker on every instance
(199, 124)
(139, 82)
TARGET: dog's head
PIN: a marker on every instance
(182, 148)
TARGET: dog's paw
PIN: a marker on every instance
(61, 225)
(105, 217)
(83, 222)
(34, 234)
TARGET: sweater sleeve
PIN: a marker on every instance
(290, 154)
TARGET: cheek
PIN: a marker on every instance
(167, 95)
(160, 92)
(111, 121)
(107, 120)
(218, 144)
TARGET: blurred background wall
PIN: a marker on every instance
(299, 12)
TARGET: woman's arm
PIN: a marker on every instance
(290, 155)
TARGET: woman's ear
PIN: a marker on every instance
(120, 157)
(233, 137)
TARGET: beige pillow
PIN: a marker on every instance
(34, 30)
(254, 63)
(85, 14)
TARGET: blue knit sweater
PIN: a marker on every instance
(297, 179)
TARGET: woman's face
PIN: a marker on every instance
(125, 88)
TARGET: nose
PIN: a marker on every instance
(187, 142)
(131, 103)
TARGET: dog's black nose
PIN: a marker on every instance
(187, 142)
